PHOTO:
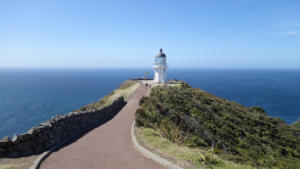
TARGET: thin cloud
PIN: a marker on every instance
(290, 24)
(292, 33)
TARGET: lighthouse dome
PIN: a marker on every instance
(161, 54)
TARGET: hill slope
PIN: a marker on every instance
(296, 124)
(192, 117)
(125, 90)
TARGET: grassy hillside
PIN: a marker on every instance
(296, 124)
(125, 90)
(184, 156)
(194, 118)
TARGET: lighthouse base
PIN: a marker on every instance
(160, 76)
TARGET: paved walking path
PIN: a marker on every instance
(107, 147)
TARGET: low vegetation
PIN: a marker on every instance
(296, 124)
(125, 90)
(194, 118)
(186, 157)
(17, 163)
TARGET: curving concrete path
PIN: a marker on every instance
(107, 147)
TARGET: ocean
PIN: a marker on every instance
(29, 96)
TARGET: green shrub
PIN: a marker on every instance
(192, 117)
(296, 123)
(258, 109)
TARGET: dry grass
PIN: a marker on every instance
(125, 90)
(184, 156)
(296, 124)
(17, 163)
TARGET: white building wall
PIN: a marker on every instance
(160, 74)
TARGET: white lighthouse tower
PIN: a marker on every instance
(160, 68)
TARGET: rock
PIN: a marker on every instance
(71, 114)
(39, 149)
(46, 124)
(30, 131)
(45, 136)
(27, 152)
(51, 121)
(41, 129)
(59, 130)
(5, 142)
(14, 154)
(51, 143)
(24, 137)
(23, 146)
(2, 150)
(36, 130)
(15, 139)
(51, 135)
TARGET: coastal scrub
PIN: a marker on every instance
(194, 118)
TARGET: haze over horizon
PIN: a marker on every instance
(193, 34)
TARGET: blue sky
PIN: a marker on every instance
(196, 34)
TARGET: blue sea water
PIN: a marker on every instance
(31, 96)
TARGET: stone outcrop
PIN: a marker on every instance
(47, 134)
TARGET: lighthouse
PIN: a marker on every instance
(160, 68)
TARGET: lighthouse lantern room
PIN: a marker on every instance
(160, 68)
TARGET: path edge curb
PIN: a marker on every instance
(149, 154)
(38, 161)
